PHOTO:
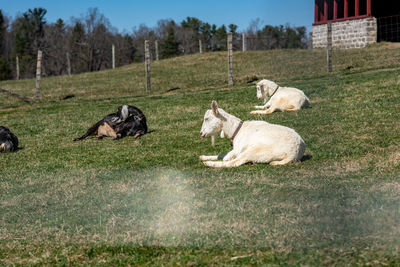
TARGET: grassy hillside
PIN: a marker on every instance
(152, 201)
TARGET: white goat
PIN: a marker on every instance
(252, 141)
(281, 98)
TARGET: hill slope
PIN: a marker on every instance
(207, 70)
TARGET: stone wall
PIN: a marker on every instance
(355, 33)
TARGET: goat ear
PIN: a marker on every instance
(214, 107)
(216, 112)
(262, 87)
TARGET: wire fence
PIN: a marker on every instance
(389, 29)
(240, 42)
(55, 58)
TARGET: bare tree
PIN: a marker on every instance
(92, 37)
(140, 35)
(55, 49)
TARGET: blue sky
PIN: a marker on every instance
(124, 14)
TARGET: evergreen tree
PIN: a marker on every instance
(29, 33)
(29, 39)
(2, 32)
(78, 49)
(5, 70)
(22, 40)
(233, 28)
(290, 38)
(170, 47)
(206, 34)
(220, 38)
(213, 29)
(192, 23)
(205, 31)
(60, 25)
(129, 48)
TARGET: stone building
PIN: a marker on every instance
(356, 23)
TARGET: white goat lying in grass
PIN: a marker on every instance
(281, 98)
(252, 141)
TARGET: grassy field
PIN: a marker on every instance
(151, 201)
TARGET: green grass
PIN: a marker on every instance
(153, 202)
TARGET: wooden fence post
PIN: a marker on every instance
(200, 47)
(17, 66)
(156, 45)
(244, 48)
(147, 64)
(230, 60)
(329, 47)
(38, 73)
(113, 55)
(68, 65)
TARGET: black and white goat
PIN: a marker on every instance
(127, 121)
(8, 140)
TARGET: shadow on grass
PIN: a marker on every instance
(305, 158)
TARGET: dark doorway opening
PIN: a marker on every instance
(387, 14)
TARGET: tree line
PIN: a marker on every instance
(88, 40)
